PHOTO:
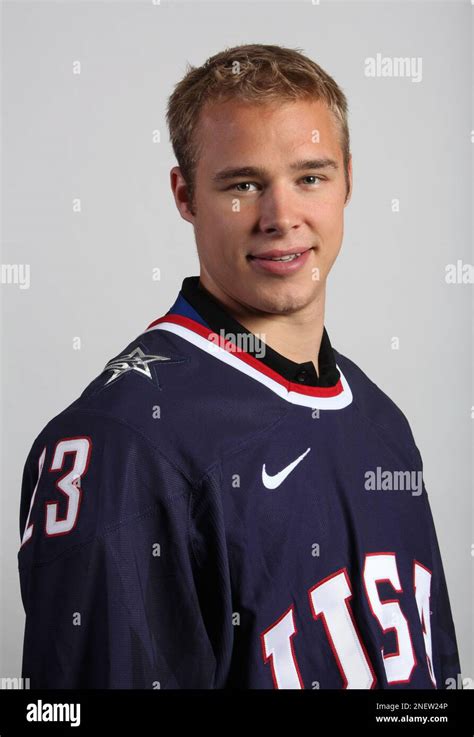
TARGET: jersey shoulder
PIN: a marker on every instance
(175, 398)
(375, 405)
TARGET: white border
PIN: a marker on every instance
(338, 402)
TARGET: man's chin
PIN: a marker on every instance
(280, 299)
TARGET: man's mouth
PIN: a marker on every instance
(279, 254)
(279, 261)
(291, 257)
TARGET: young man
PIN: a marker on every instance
(232, 503)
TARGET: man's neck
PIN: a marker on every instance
(297, 336)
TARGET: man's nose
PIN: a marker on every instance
(280, 211)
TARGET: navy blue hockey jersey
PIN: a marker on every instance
(201, 518)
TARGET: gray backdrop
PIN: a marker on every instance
(100, 137)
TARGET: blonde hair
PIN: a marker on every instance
(254, 73)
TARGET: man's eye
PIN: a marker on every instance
(247, 184)
(241, 184)
(313, 176)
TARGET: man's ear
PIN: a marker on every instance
(181, 194)
(349, 173)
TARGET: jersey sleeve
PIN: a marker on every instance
(446, 660)
(122, 564)
(446, 663)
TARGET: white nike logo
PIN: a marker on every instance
(271, 482)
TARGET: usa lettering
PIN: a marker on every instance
(329, 601)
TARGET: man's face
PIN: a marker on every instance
(284, 205)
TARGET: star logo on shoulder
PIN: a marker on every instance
(136, 360)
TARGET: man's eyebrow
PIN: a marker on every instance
(257, 171)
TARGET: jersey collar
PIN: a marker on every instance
(200, 318)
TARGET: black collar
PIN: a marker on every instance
(217, 318)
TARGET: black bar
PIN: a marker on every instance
(140, 713)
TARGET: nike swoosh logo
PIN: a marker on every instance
(271, 482)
